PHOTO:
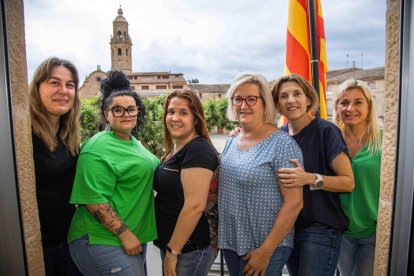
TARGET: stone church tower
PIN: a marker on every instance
(121, 45)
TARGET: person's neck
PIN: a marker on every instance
(356, 134)
(180, 143)
(55, 123)
(295, 126)
(257, 130)
(123, 136)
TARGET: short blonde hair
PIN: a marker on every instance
(307, 88)
(264, 89)
(373, 131)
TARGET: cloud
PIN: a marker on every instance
(211, 40)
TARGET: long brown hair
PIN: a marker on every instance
(196, 108)
(69, 123)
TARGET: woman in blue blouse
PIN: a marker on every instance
(256, 212)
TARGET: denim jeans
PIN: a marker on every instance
(357, 256)
(93, 259)
(236, 264)
(194, 263)
(58, 261)
(316, 251)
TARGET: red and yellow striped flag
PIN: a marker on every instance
(298, 46)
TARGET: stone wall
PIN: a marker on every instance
(392, 57)
(22, 131)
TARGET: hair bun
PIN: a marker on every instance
(116, 81)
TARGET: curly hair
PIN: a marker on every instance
(116, 85)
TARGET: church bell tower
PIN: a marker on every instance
(121, 45)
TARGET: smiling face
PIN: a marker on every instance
(292, 101)
(180, 120)
(57, 93)
(353, 108)
(249, 114)
(121, 126)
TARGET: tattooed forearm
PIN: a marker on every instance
(121, 229)
(108, 218)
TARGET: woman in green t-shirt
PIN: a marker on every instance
(113, 189)
(355, 115)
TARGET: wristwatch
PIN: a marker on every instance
(318, 184)
(172, 251)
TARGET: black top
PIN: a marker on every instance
(320, 141)
(169, 200)
(55, 172)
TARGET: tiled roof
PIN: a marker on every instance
(364, 75)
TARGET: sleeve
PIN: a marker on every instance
(95, 180)
(334, 142)
(289, 150)
(200, 154)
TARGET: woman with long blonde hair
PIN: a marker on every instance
(355, 115)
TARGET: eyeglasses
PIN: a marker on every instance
(250, 100)
(119, 111)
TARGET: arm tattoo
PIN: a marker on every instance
(108, 218)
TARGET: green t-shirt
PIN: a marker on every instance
(118, 172)
(361, 205)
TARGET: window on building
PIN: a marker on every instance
(161, 87)
(159, 77)
(329, 88)
(119, 52)
(132, 88)
(177, 87)
(126, 52)
(145, 87)
(98, 79)
(372, 84)
(165, 77)
(119, 33)
(329, 107)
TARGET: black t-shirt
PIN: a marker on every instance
(169, 200)
(320, 141)
(55, 172)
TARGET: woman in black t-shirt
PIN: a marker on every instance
(186, 200)
(54, 113)
(327, 172)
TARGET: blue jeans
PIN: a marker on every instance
(58, 261)
(94, 259)
(236, 264)
(194, 263)
(357, 256)
(316, 251)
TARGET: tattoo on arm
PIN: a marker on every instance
(108, 218)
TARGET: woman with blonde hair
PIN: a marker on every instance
(256, 212)
(54, 112)
(355, 115)
(186, 201)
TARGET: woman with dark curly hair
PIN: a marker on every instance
(113, 189)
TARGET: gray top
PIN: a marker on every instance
(249, 195)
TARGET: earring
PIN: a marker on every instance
(107, 127)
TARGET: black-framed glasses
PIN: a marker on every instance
(119, 111)
(250, 100)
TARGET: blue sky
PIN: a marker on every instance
(211, 40)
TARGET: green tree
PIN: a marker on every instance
(89, 118)
(216, 114)
(151, 133)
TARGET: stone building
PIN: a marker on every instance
(146, 84)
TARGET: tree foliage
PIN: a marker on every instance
(216, 114)
(89, 117)
(151, 133)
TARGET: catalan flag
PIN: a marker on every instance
(298, 41)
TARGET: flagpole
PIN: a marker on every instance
(313, 48)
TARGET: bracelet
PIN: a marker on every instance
(172, 251)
